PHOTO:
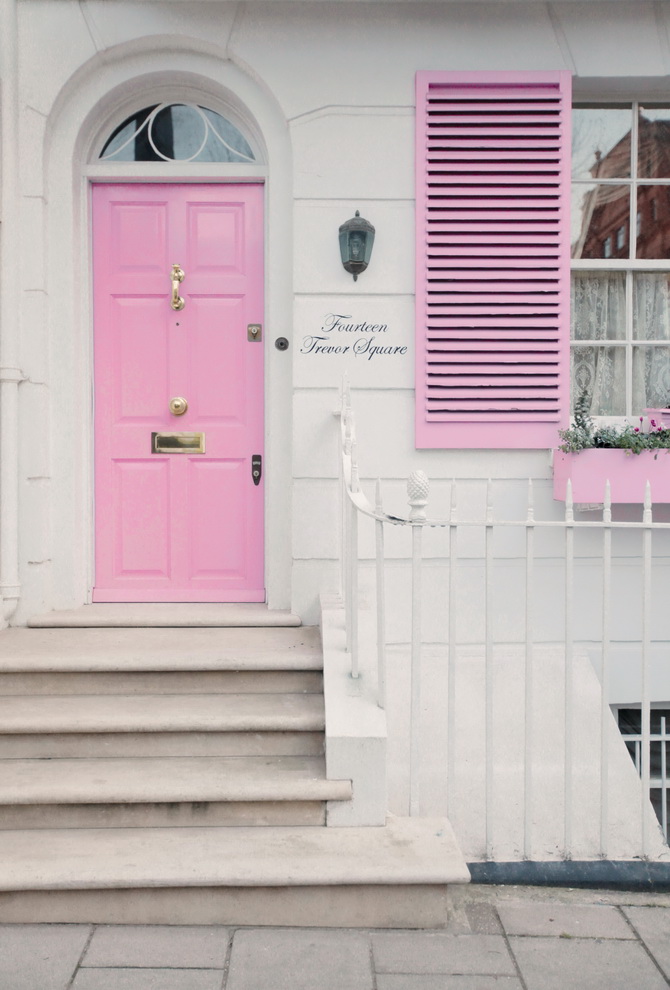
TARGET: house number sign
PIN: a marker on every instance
(342, 334)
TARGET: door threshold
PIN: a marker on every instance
(130, 614)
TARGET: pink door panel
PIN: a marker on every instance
(178, 526)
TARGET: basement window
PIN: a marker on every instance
(630, 726)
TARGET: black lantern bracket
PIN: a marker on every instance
(356, 239)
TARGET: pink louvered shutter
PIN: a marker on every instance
(492, 284)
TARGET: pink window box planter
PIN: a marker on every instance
(628, 474)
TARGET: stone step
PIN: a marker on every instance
(157, 649)
(73, 745)
(395, 876)
(183, 814)
(176, 779)
(168, 615)
(162, 682)
(23, 715)
(122, 793)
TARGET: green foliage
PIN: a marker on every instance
(584, 434)
(580, 435)
(582, 416)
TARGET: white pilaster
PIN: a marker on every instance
(10, 373)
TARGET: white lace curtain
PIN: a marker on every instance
(599, 315)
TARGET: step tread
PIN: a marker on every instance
(405, 851)
(86, 682)
(156, 649)
(178, 779)
(161, 713)
(109, 745)
(166, 615)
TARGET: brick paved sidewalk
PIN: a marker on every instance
(499, 938)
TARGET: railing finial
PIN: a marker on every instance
(418, 487)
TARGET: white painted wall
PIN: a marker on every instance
(331, 88)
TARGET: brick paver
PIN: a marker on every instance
(185, 947)
(438, 952)
(564, 920)
(40, 957)
(147, 979)
(585, 964)
(653, 926)
(300, 959)
(395, 982)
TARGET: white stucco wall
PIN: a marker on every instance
(331, 87)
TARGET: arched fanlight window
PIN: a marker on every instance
(176, 132)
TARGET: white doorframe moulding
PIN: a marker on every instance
(112, 83)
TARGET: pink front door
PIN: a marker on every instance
(175, 524)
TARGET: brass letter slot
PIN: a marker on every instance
(177, 443)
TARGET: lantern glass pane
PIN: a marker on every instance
(358, 246)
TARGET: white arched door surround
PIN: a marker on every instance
(103, 94)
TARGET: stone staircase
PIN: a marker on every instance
(177, 774)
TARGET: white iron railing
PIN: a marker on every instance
(356, 504)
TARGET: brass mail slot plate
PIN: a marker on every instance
(177, 443)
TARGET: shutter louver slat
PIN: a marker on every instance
(492, 258)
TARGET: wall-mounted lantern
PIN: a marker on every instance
(356, 239)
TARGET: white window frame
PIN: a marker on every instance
(629, 265)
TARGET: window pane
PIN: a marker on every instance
(651, 377)
(651, 306)
(186, 130)
(601, 143)
(653, 222)
(224, 135)
(177, 132)
(600, 374)
(128, 143)
(654, 143)
(598, 306)
(117, 146)
(598, 214)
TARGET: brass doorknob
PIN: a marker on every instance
(178, 405)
